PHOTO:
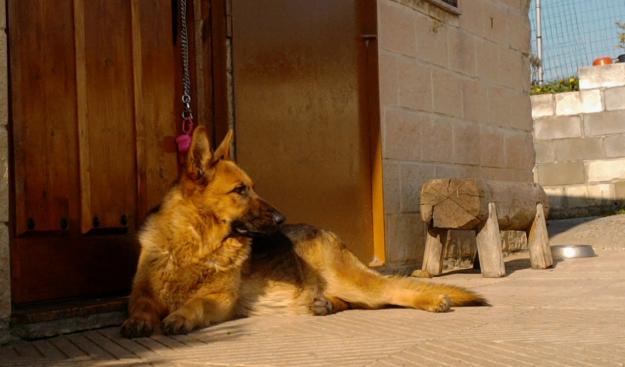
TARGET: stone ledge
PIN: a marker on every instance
(606, 76)
(605, 170)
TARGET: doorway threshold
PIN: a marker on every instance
(42, 320)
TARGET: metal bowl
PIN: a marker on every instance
(572, 251)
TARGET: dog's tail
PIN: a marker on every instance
(457, 296)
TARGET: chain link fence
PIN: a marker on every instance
(574, 33)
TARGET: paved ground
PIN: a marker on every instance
(572, 315)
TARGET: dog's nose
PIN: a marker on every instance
(278, 218)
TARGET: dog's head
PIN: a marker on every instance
(220, 188)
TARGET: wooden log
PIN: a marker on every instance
(489, 246)
(463, 203)
(433, 255)
(538, 241)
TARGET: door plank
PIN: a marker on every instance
(43, 119)
(155, 108)
(107, 132)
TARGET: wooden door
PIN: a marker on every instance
(305, 131)
(93, 107)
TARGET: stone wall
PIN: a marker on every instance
(5, 273)
(580, 144)
(454, 102)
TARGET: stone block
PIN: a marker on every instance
(459, 250)
(576, 196)
(542, 105)
(510, 108)
(558, 127)
(4, 86)
(511, 72)
(437, 141)
(412, 177)
(503, 174)
(496, 27)
(605, 170)
(619, 191)
(405, 239)
(5, 274)
(578, 149)
(4, 175)
(431, 40)
(519, 37)
(513, 241)
(487, 60)
(415, 85)
(492, 148)
(600, 194)
(392, 187)
(396, 24)
(457, 171)
(3, 15)
(464, 145)
(606, 76)
(561, 173)
(614, 98)
(545, 151)
(388, 78)
(475, 101)
(573, 103)
(473, 18)
(402, 134)
(447, 91)
(614, 146)
(462, 51)
(555, 195)
(519, 151)
(597, 124)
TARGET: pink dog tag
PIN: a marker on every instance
(184, 142)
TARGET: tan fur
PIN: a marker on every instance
(197, 266)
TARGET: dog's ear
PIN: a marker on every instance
(199, 155)
(223, 151)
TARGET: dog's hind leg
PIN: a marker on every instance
(351, 281)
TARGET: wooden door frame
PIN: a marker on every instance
(368, 11)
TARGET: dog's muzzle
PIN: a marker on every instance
(259, 225)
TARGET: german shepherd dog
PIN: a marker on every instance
(215, 251)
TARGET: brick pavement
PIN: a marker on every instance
(573, 315)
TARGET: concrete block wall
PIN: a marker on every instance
(5, 273)
(454, 102)
(580, 144)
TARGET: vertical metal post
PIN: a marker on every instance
(539, 42)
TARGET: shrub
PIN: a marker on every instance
(557, 86)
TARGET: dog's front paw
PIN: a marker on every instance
(441, 304)
(136, 327)
(176, 323)
(321, 307)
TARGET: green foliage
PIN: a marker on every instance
(557, 86)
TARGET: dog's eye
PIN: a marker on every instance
(241, 190)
